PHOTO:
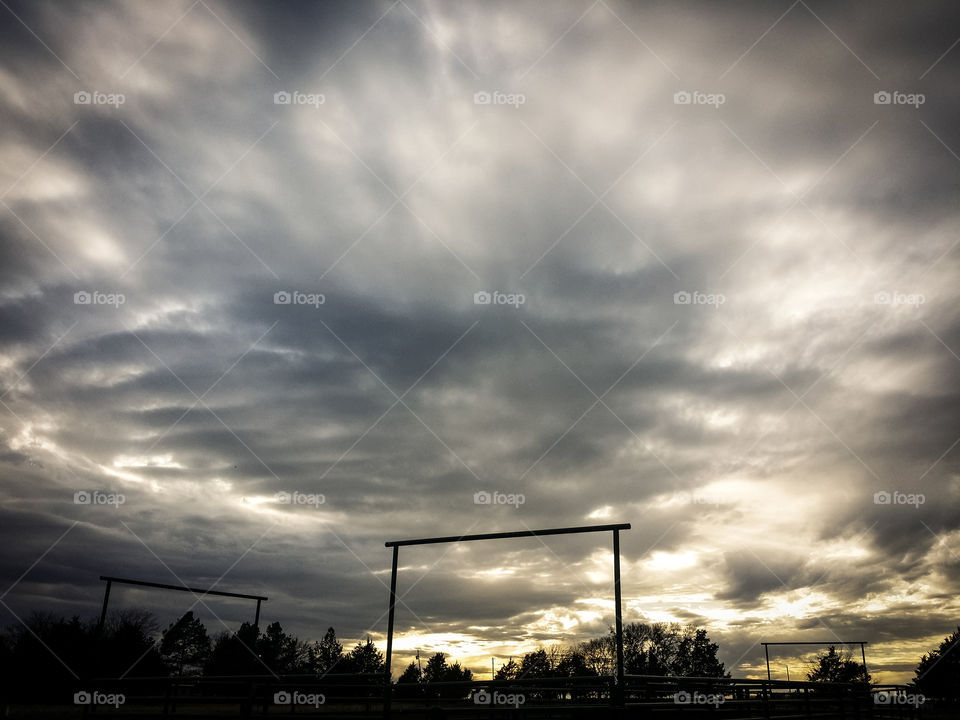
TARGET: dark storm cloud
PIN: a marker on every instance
(745, 439)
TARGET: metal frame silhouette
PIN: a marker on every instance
(397, 544)
(163, 586)
(861, 643)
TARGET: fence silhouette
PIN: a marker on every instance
(357, 695)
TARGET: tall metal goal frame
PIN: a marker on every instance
(397, 544)
(110, 580)
(861, 643)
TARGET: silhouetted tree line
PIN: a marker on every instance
(414, 683)
(48, 657)
(648, 649)
(43, 658)
(39, 658)
(46, 651)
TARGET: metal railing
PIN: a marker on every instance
(357, 695)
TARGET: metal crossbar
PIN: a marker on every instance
(110, 579)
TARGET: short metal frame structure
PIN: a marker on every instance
(861, 643)
(397, 544)
(163, 586)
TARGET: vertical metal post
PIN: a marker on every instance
(863, 656)
(256, 619)
(766, 651)
(616, 590)
(387, 689)
(103, 611)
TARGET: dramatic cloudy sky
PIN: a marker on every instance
(743, 434)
